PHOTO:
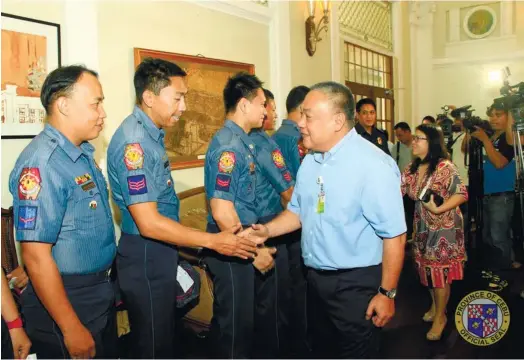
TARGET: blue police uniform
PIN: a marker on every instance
(60, 197)
(288, 139)
(499, 202)
(271, 290)
(230, 174)
(139, 172)
(347, 204)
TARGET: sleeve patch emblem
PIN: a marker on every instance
(226, 163)
(287, 176)
(26, 217)
(278, 159)
(222, 182)
(137, 184)
(29, 184)
(134, 156)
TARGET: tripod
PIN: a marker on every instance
(473, 160)
(518, 132)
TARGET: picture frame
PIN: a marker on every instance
(186, 143)
(480, 22)
(31, 49)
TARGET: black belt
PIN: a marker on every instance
(329, 272)
(499, 194)
(85, 279)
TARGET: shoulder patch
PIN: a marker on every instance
(278, 159)
(226, 163)
(137, 185)
(134, 156)
(222, 182)
(287, 176)
(29, 184)
(26, 217)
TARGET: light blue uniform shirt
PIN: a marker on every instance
(363, 204)
(287, 137)
(139, 169)
(60, 197)
(230, 172)
(273, 177)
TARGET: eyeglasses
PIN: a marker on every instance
(418, 138)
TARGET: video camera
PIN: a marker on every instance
(469, 121)
(512, 100)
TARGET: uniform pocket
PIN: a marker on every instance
(89, 209)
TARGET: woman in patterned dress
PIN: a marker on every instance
(439, 231)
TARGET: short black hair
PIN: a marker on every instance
(296, 97)
(403, 125)
(268, 94)
(60, 82)
(340, 97)
(240, 85)
(496, 106)
(154, 75)
(430, 118)
(366, 101)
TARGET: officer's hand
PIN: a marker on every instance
(480, 134)
(21, 277)
(79, 343)
(380, 309)
(229, 244)
(257, 233)
(264, 260)
(21, 343)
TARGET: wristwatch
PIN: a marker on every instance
(390, 294)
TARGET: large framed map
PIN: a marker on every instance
(187, 141)
(30, 51)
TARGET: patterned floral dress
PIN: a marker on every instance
(439, 239)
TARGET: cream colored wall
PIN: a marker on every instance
(166, 26)
(307, 70)
(189, 29)
(405, 83)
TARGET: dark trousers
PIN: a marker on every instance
(92, 297)
(298, 320)
(7, 345)
(497, 213)
(338, 304)
(232, 326)
(146, 272)
(272, 306)
(518, 233)
(409, 212)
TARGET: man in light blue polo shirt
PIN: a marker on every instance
(347, 200)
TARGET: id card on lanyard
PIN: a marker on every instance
(321, 196)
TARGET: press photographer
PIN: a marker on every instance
(498, 170)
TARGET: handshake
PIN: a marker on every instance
(246, 244)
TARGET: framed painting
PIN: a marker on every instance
(187, 142)
(30, 50)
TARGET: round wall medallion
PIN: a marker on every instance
(479, 22)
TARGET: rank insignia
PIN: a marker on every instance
(222, 182)
(278, 159)
(252, 168)
(137, 185)
(134, 156)
(169, 182)
(302, 151)
(287, 176)
(226, 163)
(93, 205)
(29, 184)
(26, 217)
(81, 180)
(379, 140)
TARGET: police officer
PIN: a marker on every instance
(274, 187)
(143, 189)
(367, 121)
(289, 140)
(64, 223)
(230, 180)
